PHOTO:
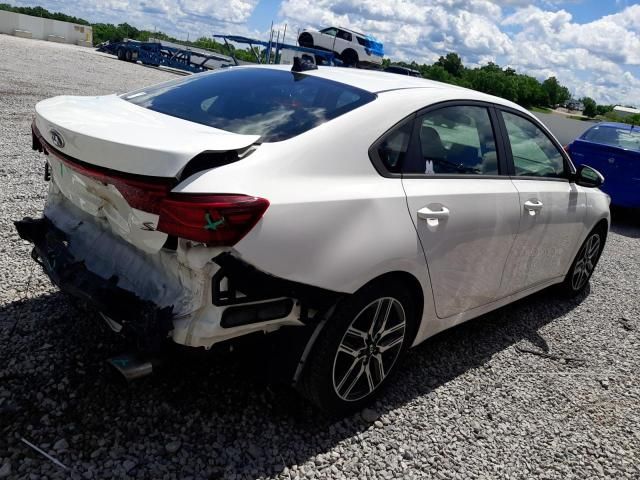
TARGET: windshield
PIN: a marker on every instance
(275, 104)
(616, 137)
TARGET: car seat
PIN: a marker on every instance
(431, 148)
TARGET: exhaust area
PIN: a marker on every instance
(132, 366)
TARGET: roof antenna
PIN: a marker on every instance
(302, 65)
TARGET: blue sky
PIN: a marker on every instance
(592, 46)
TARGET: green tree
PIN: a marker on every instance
(604, 109)
(43, 13)
(452, 63)
(436, 72)
(557, 94)
(590, 107)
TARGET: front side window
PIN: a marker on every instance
(455, 140)
(274, 104)
(330, 31)
(534, 154)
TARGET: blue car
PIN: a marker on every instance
(614, 150)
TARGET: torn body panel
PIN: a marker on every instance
(91, 260)
(119, 245)
(179, 279)
(142, 318)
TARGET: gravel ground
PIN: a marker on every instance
(544, 388)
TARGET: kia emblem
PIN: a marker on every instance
(56, 138)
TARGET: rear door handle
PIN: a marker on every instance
(426, 213)
(533, 206)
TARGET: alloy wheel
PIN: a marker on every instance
(587, 259)
(369, 349)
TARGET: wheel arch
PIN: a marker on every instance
(306, 36)
(398, 277)
(412, 284)
(602, 224)
(350, 52)
(410, 281)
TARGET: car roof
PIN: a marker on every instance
(378, 82)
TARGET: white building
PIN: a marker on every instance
(27, 26)
(625, 111)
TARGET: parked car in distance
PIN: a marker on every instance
(403, 71)
(614, 150)
(352, 48)
(359, 207)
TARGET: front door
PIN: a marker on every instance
(552, 207)
(465, 212)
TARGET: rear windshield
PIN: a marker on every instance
(616, 137)
(275, 104)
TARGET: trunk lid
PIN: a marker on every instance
(113, 133)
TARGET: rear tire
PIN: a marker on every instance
(306, 40)
(350, 58)
(128, 55)
(584, 264)
(121, 54)
(359, 348)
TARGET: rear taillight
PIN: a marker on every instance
(212, 219)
(217, 220)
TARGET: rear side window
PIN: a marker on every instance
(392, 149)
(345, 35)
(615, 137)
(455, 140)
(275, 104)
(534, 154)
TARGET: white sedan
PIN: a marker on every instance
(368, 209)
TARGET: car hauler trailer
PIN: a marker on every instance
(158, 54)
(281, 53)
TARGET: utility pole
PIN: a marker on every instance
(275, 57)
(268, 52)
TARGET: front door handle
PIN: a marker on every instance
(426, 213)
(533, 206)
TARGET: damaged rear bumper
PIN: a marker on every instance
(141, 319)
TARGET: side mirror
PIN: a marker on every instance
(588, 177)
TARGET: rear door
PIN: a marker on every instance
(344, 40)
(465, 209)
(552, 207)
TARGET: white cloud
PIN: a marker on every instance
(418, 31)
(539, 37)
(181, 18)
(591, 58)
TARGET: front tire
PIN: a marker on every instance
(584, 264)
(359, 348)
